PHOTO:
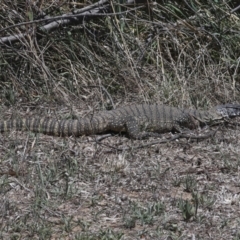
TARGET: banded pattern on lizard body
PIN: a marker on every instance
(139, 121)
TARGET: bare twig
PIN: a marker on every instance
(66, 19)
(229, 14)
(174, 137)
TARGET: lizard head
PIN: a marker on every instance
(228, 110)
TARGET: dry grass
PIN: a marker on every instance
(69, 188)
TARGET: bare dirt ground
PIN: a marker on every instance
(180, 53)
(82, 189)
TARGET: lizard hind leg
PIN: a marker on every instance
(134, 131)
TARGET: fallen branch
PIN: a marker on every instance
(174, 137)
(99, 9)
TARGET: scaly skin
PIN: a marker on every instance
(138, 121)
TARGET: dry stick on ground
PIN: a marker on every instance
(174, 137)
(77, 13)
(56, 22)
(229, 14)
